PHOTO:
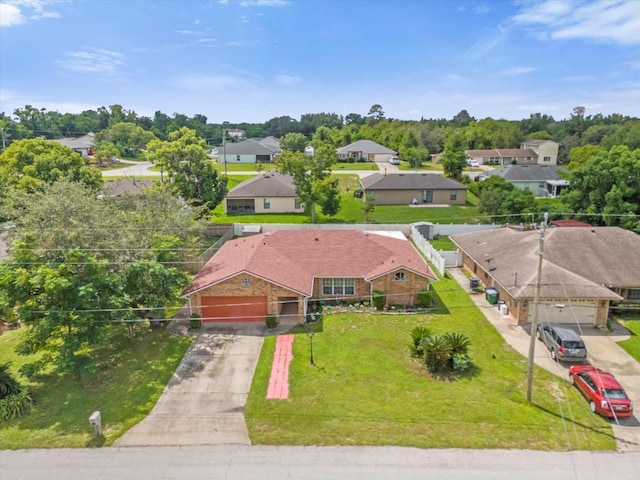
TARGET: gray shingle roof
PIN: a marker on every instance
(269, 184)
(365, 147)
(409, 181)
(253, 146)
(524, 173)
(578, 262)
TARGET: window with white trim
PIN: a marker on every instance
(266, 203)
(338, 286)
(400, 277)
(546, 159)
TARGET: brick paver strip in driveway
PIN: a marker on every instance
(279, 380)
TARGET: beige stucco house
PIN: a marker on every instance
(531, 152)
(413, 189)
(270, 192)
(367, 151)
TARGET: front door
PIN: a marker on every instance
(427, 196)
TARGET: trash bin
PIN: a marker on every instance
(474, 283)
(491, 294)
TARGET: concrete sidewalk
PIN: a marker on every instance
(204, 401)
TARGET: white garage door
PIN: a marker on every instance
(567, 312)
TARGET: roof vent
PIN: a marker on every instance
(316, 239)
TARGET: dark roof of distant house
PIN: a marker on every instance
(502, 152)
(526, 173)
(294, 258)
(123, 186)
(268, 184)
(409, 181)
(365, 147)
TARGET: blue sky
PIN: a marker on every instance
(243, 60)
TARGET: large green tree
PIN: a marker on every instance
(606, 189)
(129, 138)
(309, 174)
(82, 265)
(190, 171)
(293, 142)
(30, 164)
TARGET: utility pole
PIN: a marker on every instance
(534, 324)
(224, 148)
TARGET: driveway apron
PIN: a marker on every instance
(204, 401)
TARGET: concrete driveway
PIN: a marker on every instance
(204, 401)
(603, 352)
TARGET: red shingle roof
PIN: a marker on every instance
(293, 258)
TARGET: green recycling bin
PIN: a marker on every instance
(492, 295)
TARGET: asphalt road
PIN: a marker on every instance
(313, 463)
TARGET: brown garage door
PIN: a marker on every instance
(234, 309)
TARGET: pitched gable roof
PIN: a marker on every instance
(409, 181)
(365, 147)
(524, 173)
(566, 272)
(293, 258)
(269, 184)
(253, 146)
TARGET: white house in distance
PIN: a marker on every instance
(531, 152)
(82, 145)
(254, 150)
(366, 151)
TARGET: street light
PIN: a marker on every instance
(224, 149)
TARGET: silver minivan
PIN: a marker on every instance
(563, 342)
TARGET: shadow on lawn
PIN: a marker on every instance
(439, 307)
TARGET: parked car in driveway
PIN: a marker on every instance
(473, 163)
(601, 389)
(562, 341)
(394, 161)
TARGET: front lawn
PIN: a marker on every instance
(132, 375)
(632, 323)
(365, 389)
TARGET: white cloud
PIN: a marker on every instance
(10, 15)
(485, 45)
(616, 21)
(509, 72)
(94, 60)
(481, 9)
(287, 80)
(14, 12)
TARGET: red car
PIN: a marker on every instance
(603, 392)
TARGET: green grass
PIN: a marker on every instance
(425, 166)
(132, 376)
(442, 243)
(366, 389)
(356, 166)
(632, 345)
(351, 210)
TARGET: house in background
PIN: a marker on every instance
(288, 272)
(254, 150)
(413, 188)
(235, 133)
(366, 151)
(82, 145)
(541, 180)
(531, 152)
(584, 270)
(270, 192)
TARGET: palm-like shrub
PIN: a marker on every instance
(458, 342)
(418, 334)
(437, 353)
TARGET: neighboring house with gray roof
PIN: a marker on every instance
(124, 186)
(541, 180)
(584, 270)
(82, 145)
(366, 151)
(413, 189)
(254, 150)
(270, 192)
